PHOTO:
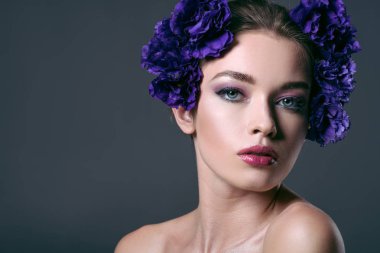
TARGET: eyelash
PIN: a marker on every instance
(223, 93)
(299, 103)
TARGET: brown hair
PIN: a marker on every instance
(264, 15)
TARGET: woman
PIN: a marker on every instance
(249, 82)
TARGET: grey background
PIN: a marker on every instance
(87, 156)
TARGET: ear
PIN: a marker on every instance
(184, 119)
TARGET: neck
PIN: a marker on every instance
(230, 216)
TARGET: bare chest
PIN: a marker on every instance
(254, 244)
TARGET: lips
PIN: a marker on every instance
(258, 156)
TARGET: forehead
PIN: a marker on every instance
(269, 58)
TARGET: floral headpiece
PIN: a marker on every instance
(197, 29)
(329, 27)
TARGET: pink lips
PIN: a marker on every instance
(258, 156)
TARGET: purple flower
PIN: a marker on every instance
(163, 53)
(329, 121)
(174, 92)
(195, 30)
(336, 78)
(329, 27)
(203, 23)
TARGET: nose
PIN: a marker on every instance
(261, 119)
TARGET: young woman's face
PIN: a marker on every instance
(251, 119)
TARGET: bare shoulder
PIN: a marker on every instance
(157, 237)
(302, 227)
(144, 239)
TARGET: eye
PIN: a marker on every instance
(287, 102)
(231, 94)
(292, 103)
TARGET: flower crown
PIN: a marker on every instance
(197, 29)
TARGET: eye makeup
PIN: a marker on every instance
(292, 99)
(293, 103)
(231, 94)
(292, 96)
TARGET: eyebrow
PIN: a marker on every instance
(296, 85)
(249, 79)
(236, 75)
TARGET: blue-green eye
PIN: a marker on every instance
(231, 94)
(293, 103)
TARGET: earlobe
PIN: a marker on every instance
(184, 119)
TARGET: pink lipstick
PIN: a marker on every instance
(258, 156)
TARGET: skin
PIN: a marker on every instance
(257, 94)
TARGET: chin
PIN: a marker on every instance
(259, 181)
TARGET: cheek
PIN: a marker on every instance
(294, 129)
(215, 124)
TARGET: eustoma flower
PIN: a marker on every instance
(329, 27)
(195, 30)
(330, 121)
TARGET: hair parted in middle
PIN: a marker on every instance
(263, 15)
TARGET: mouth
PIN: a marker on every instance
(258, 156)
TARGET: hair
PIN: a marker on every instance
(248, 15)
(264, 15)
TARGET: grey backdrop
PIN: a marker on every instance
(87, 156)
